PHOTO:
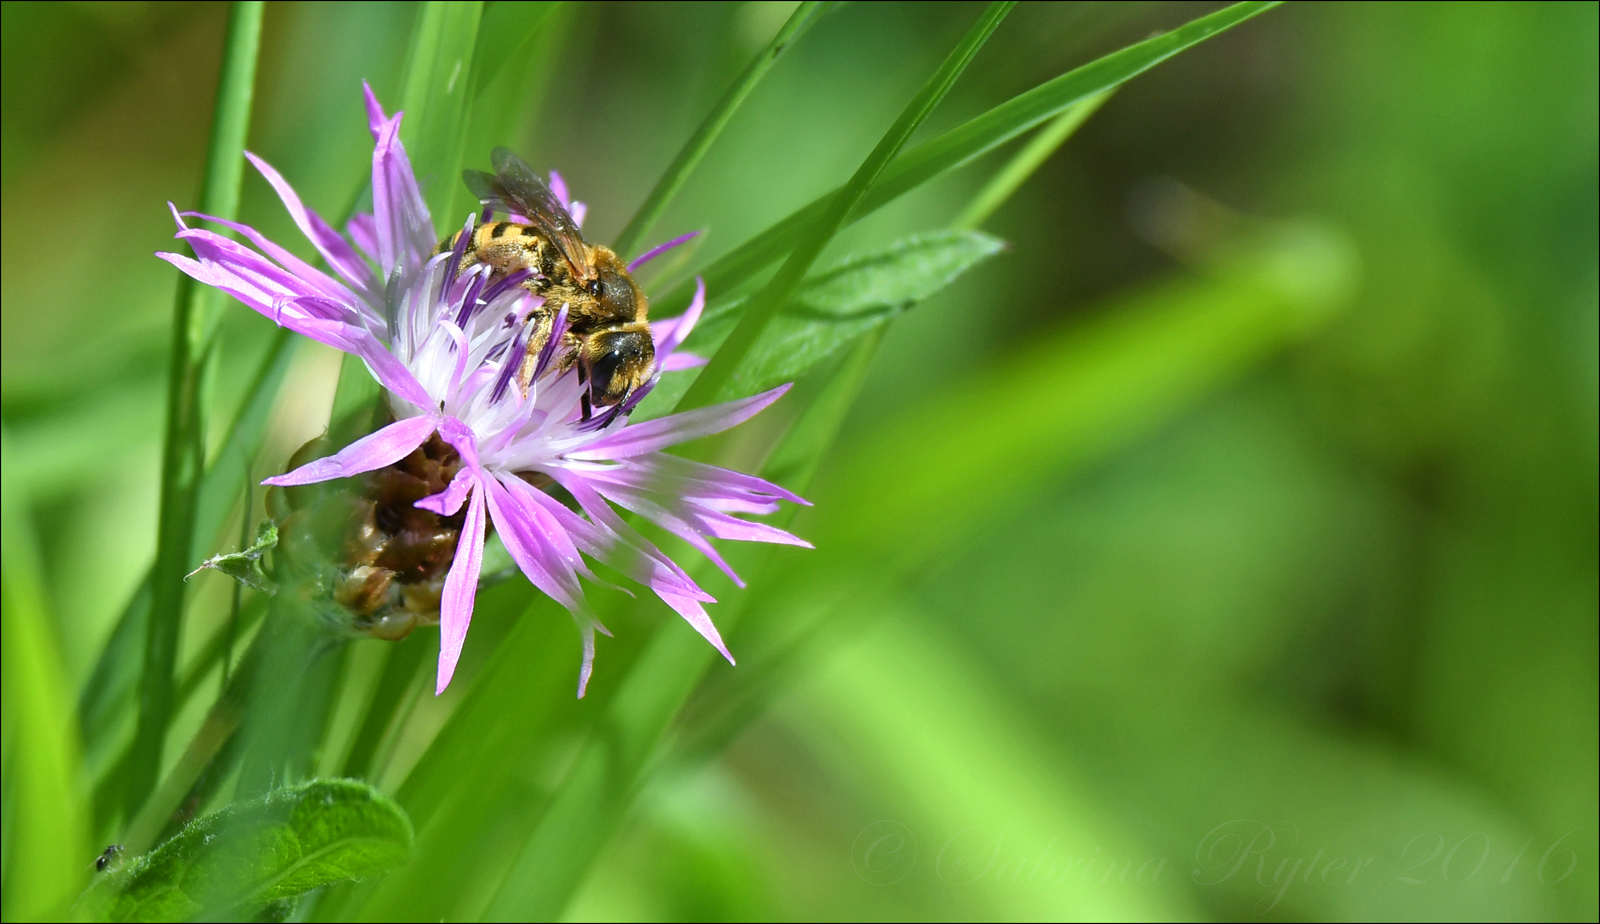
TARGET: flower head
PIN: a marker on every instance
(446, 344)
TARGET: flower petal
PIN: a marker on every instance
(448, 501)
(460, 590)
(671, 333)
(530, 545)
(387, 368)
(680, 360)
(695, 615)
(660, 249)
(404, 229)
(654, 435)
(371, 452)
(340, 255)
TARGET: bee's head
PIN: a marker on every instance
(616, 363)
(620, 298)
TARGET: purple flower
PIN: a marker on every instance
(445, 343)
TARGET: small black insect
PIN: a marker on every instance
(107, 857)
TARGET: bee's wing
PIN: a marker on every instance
(515, 188)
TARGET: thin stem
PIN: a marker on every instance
(231, 632)
(1032, 156)
(220, 723)
(183, 453)
(700, 142)
(766, 303)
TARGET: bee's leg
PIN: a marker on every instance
(583, 401)
(539, 328)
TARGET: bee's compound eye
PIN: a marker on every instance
(597, 288)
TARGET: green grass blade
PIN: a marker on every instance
(435, 99)
(46, 838)
(970, 452)
(700, 142)
(108, 692)
(760, 310)
(1032, 156)
(183, 453)
(505, 34)
(1103, 380)
(963, 144)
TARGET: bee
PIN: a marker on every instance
(608, 336)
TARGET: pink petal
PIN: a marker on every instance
(681, 360)
(305, 272)
(371, 452)
(619, 545)
(340, 255)
(460, 589)
(654, 435)
(387, 368)
(404, 229)
(363, 229)
(448, 501)
(534, 554)
(671, 333)
(660, 249)
(375, 117)
(695, 615)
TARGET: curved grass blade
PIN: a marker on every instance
(45, 832)
(760, 310)
(107, 695)
(505, 34)
(435, 99)
(700, 142)
(963, 144)
(183, 452)
(1002, 185)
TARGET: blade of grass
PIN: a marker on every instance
(724, 706)
(435, 99)
(1106, 384)
(46, 836)
(759, 311)
(700, 142)
(963, 144)
(1016, 172)
(106, 695)
(505, 34)
(183, 452)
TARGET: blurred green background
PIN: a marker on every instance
(1307, 646)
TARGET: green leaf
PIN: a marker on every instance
(245, 566)
(761, 309)
(183, 450)
(699, 143)
(835, 307)
(963, 144)
(252, 854)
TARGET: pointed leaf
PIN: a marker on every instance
(250, 855)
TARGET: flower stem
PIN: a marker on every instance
(183, 452)
(700, 142)
(766, 303)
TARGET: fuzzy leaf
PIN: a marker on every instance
(249, 857)
(245, 566)
(837, 306)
